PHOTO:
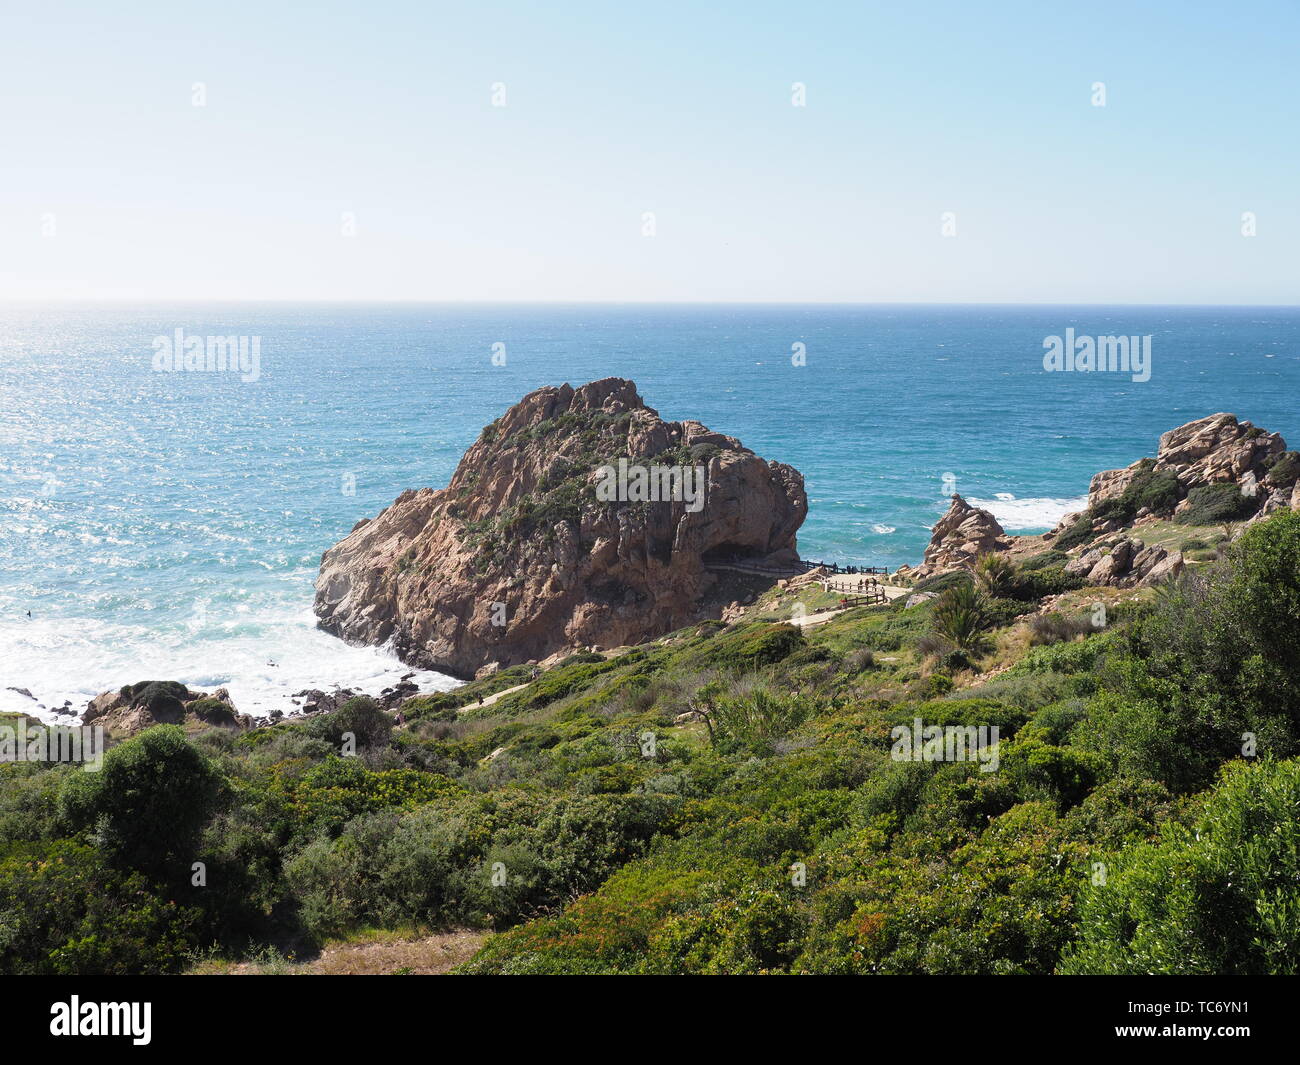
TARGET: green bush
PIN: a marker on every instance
(1216, 662)
(1077, 533)
(64, 911)
(1215, 899)
(360, 718)
(748, 647)
(1047, 558)
(1031, 585)
(961, 616)
(1284, 469)
(164, 699)
(943, 581)
(213, 712)
(994, 575)
(1210, 504)
(147, 804)
(758, 717)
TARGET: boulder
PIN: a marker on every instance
(1082, 566)
(1129, 563)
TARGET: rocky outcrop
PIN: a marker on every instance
(1126, 563)
(1214, 450)
(136, 707)
(524, 554)
(961, 536)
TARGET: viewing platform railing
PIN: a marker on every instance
(746, 565)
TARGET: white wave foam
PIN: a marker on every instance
(1022, 515)
(58, 660)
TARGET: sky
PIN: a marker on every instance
(650, 152)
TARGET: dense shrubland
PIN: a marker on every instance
(725, 801)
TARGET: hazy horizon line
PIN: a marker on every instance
(335, 301)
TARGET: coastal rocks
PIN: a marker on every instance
(1128, 563)
(961, 536)
(315, 701)
(1217, 449)
(804, 580)
(1082, 566)
(136, 707)
(520, 556)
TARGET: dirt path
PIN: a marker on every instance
(823, 616)
(373, 954)
(495, 696)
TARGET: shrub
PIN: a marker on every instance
(1213, 503)
(213, 711)
(67, 912)
(1031, 585)
(1077, 533)
(164, 699)
(359, 717)
(579, 658)
(1152, 490)
(1149, 489)
(1218, 658)
(1285, 469)
(964, 711)
(750, 647)
(1047, 558)
(937, 684)
(1041, 771)
(1054, 627)
(994, 574)
(961, 616)
(859, 660)
(759, 717)
(148, 802)
(1216, 899)
(941, 582)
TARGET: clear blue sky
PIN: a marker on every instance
(384, 110)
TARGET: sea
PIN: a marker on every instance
(168, 524)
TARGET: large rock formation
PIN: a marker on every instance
(520, 556)
(1214, 450)
(960, 537)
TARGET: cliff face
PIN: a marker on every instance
(525, 553)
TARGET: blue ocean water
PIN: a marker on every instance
(170, 524)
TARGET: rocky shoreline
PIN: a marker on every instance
(591, 577)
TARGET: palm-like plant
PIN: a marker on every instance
(961, 617)
(994, 575)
